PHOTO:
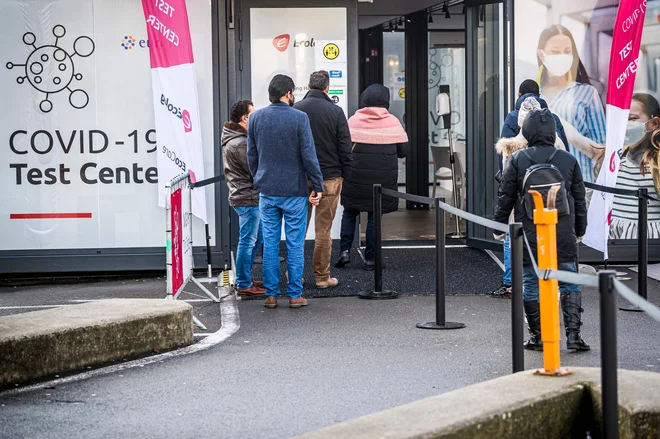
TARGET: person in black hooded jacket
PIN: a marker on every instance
(379, 141)
(539, 130)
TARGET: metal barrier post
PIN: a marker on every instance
(610, 404)
(517, 312)
(440, 274)
(168, 241)
(642, 247)
(378, 293)
(546, 231)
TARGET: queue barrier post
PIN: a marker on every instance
(378, 293)
(545, 219)
(517, 309)
(610, 404)
(440, 274)
(642, 248)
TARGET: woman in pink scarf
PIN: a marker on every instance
(379, 141)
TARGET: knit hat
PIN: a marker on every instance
(529, 104)
(375, 95)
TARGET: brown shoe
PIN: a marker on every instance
(330, 283)
(271, 302)
(258, 283)
(297, 303)
(252, 291)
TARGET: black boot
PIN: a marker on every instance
(533, 314)
(571, 305)
(344, 258)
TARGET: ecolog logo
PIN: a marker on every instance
(281, 42)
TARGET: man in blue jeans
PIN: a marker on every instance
(539, 129)
(282, 159)
(243, 197)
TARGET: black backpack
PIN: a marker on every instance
(541, 177)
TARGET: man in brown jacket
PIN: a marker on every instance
(243, 197)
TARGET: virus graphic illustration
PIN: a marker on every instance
(50, 69)
(128, 43)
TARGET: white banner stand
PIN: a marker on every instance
(178, 243)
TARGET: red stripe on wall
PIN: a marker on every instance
(50, 215)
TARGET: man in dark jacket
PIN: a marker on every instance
(332, 140)
(282, 158)
(539, 130)
(243, 197)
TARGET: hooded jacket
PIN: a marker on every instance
(330, 130)
(237, 173)
(540, 132)
(379, 141)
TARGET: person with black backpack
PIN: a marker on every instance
(539, 167)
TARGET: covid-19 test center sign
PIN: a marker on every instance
(78, 155)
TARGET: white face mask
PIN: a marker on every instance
(635, 132)
(558, 65)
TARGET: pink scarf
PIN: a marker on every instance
(376, 126)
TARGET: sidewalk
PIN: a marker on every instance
(287, 371)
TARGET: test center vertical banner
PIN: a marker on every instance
(176, 105)
(624, 59)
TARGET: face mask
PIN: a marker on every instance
(558, 65)
(635, 132)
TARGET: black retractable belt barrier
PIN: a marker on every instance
(378, 293)
(517, 310)
(643, 197)
(440, 274)
(610, 403)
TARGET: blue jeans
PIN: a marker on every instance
(348, 221)
(249, 240)
(531, 281)
(506, 278)
(294, 212)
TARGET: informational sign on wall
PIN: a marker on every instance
(283, 43)
(297, 42)
(78, 141)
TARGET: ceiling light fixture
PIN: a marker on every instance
(400, 21)
(430, 17)
(447, 14)
(445, 8)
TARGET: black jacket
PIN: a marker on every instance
(540, 130)
(332, 138)
(372, 164)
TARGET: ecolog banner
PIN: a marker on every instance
(176, 106)
(624, 57)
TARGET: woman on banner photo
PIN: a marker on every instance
(566, 87)
(643, 120)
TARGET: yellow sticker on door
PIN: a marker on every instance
(331, 51)
(402, 93)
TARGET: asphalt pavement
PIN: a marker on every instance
(287, 372)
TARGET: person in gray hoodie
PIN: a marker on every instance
(243, 196)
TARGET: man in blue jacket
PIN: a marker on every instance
(282, 158)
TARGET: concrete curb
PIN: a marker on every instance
(41, 343)
(230, 324)
(519, 405)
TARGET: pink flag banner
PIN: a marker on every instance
(176, 105)
(624, 57)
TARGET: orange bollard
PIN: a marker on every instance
(546, 230)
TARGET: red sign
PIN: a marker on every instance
(168, 31)
(177, 241)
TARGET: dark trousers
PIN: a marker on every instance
(348, 221)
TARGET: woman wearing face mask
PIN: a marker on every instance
(566, 87)
(643, 134)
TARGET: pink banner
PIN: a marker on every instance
(168, 31)
(176, 104)
(178, 274)
(624, 56)
(624, 59)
